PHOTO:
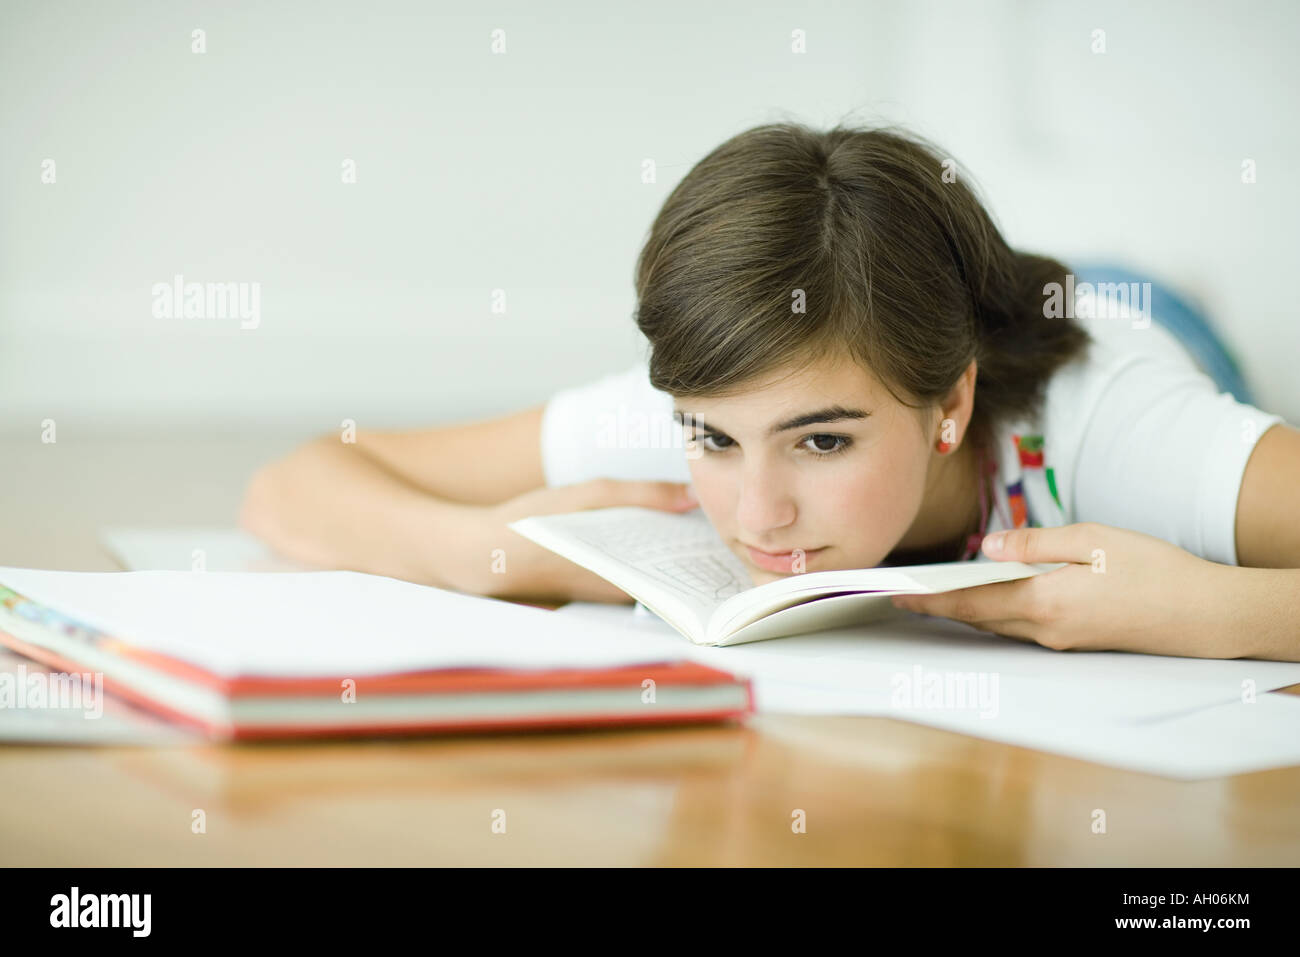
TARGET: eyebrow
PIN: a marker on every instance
(832, 413)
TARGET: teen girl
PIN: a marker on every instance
(865, 374)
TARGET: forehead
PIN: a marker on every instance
(795, 388)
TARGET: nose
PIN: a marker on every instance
(765, 502)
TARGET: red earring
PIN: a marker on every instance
(943, 447)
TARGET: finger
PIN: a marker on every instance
(994, 602)
(1064, 543)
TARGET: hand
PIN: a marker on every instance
(529, 571)
(1123, 591)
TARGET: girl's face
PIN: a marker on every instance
(826, 469)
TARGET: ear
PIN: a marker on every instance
(959, 404)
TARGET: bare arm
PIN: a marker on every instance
(478, 463)
(394, 503)
(1268, 509)
(1257, 609)
(434, 506)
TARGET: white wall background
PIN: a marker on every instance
(522, 172)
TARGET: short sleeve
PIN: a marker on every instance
(617, 426)
(1164, 453)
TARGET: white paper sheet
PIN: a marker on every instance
(1209, 742)
(324, 623)
(179, 549)
(1182, 718)
(879, 657)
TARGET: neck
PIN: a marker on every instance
(949, 515)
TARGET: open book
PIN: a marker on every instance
(678, 567)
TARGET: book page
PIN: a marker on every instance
(675, 564)
(774, 598)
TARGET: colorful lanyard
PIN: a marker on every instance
(987, 469)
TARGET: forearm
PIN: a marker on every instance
(1258, 611)
(327, 503)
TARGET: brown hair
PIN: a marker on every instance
(902, 271)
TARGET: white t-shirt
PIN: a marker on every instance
(1132, 434)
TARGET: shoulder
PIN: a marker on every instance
(1142, 438)
(614, 426)
(1123, 367)
(1116, 346)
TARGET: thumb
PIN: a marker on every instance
(1064, 543)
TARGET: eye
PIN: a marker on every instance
(714, 435)
(821, 452)
(818, 449)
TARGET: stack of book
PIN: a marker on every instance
(242, 655)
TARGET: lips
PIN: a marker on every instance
(779, 561)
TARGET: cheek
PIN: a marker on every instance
(870, 500)
(862, 507)
(866, 510)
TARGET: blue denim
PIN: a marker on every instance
(1187, 324)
